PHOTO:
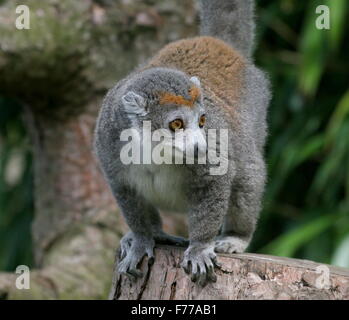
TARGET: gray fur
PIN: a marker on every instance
(231, 21)
(222, 210)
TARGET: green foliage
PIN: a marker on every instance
(288, 243)
(341, 255)
(306, 210)
(16, 189)
(307, 200)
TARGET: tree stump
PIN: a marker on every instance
(242, 277)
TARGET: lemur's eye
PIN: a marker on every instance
(176, 124)
(202, 121)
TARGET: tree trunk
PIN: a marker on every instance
(59, 70)
(242, 277)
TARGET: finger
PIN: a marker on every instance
(211, 276)
(130, 276)
(215, 261)
(123, 254)
(203, 275)
(123, 270)
(122, 267)
(136, 273)
(124, 247)
(150, 253)
(186, 266)
(135, 261)
(203, 279)
(194, 272)
(119, 253)
(133, 270)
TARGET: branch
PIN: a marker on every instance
(243, 276)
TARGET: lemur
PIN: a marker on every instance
(206, 82)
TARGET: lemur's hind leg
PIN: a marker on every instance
(245, 203)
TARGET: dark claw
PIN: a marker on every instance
(187, 268)
(202, 265)
(211, 275)
(151, 261)
(203, 279)
(136, 273)
(129, 276)
(195, 275)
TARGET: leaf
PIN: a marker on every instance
(340, 114)
(341, 255)
(289, 243)
(338, 11)
(314, 52)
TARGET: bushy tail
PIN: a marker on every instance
(231, 21)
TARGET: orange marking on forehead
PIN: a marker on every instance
(169, 98)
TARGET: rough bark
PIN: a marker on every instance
(59, 70)
(242, 277)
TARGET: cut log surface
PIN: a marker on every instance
(242, 277)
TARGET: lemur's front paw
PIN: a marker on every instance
(133, 249)
(229, 244)
(200, 260)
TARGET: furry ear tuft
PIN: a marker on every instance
(196, 81)
(134, 104)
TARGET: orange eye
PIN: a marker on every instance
(176, 124)
(202, 121)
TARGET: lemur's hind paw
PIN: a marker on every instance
(230, 244)
(133, 249)
(200, 260)
(164, 238)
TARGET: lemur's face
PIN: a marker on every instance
(185, 126)
(177, 118)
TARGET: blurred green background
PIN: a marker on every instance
(306, 209)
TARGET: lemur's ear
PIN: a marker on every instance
(134, 104)
(196, 81)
